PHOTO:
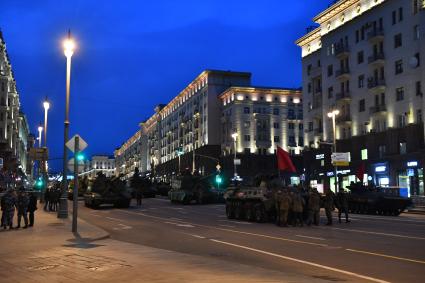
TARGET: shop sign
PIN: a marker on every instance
(340, 158)
(330, 174)
(410, 172)
(380, 169)
(412, 164)
(320, 156)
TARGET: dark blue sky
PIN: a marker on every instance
(133, 55)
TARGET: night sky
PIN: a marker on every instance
(133, 55)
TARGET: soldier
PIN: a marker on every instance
(342, 205)
(284, 206)
(136, 183)
(3, 210)
(277, 197)
(329, 206)
(297, 209)
(47, 195)
(22, 207)
(32, 207)
(313, 207)
(9, 208)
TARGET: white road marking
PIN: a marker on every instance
(303, 262)
(114, 219)
(387, 256)
(185, 225)
(197, 236)
(376, 233)
(237, 222)
(125, 227)
(308, 237)
(161, 199)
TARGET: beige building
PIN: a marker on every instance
(263, 119)
(128, 156)
(99, 164)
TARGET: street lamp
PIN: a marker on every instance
(235, 137)
(180, 152)
(332, 114)
(40, 130)
(195, 116)
(46, 106)
(69, 46)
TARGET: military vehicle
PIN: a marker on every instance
(200, 189)
(110, 191)
(376, 200)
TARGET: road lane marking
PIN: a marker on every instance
(376, 233)
(113, 219)
(387, 218)
(387, 256)
(308, 237)
(197, 236)
(180, 224)
(125, 227)
(303, 262)
(237, 222)
(161, 199)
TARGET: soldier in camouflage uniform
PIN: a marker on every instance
(22, 207)
(313, 207)
(297, 209)
(329, 206)
(284, 206)
(9, 208)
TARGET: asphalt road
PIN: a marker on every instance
(369, 249)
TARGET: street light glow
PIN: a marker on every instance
(333, 113)
(40, 129)
(68, 46)
(46, 105)
(234, 136)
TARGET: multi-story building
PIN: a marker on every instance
(99, 164)
(365, 59)
(128, 156)
(13, 125)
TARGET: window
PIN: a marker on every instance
(300, 126)
(417, 56)
(415, 7)
(330, 70)
(401, 121)
(291, 126)
(397, 40)
(275, 125)
(419, 116)
(247, 124)
(416, 33)
(291, 140)
(357, 36)
(362, 33)
(291, 114)
(276, 139)
(310, 126)
(418, 88)
(300, 141)
(2, 86)
(246, 110)
(360, 57)
(309, 88)
(362, 105)
(364, 154)
(330, 92)
(400, 14)
(308, 70)
(361, 81)
(398, 67)
(381, 151)
(394, 17)
(399, 93)
(402, 148)
(247, 138)
(275, 111)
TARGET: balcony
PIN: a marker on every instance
(346, 96)
(345, 118)
(376, 85)
(341, 50)
(375, 35)
(343, 73)
(378, 109)
(376, 59)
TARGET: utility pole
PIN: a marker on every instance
(75, 192)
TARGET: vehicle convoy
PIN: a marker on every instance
(200, 189)
(376, 200)
(111, 191)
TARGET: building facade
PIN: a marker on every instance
(365, 59)
(128, 156)
(99, 164)
(14, 132)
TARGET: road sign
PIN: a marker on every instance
(341, 158)
(39, 153)
(236, 161)
(71, 143)
(218, 167)
(71, 165)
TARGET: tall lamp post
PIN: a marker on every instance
(40, 130)
(235, 137)
(332, 114)
(69, 46)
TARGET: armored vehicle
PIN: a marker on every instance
(200, 189)
(111, 191)
(376, 200)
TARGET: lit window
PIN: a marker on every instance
(364, 154)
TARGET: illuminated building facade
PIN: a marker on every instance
(99, 164)
(128, 156)
(366, 59)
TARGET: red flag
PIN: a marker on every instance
(284, 162)
(360, 172)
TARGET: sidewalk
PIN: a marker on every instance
(49, 252)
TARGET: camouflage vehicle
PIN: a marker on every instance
(200, 189)
(376, 200)
(111, 191)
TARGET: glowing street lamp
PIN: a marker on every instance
(235, 137)
(40, 130)
(332, 114)
(46, 106)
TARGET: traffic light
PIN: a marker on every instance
(218, 179)
(80, 156)
(39, 183)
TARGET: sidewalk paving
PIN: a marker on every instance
(49, 252)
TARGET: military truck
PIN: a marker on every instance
(200, 189)
(376, 200)
(107, 191)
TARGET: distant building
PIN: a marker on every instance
(365, 59)
(99, 164)
(128, 156)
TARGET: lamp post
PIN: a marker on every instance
(69, 46)
(332, 114)
(235, 137)
(46, 106)
(40, 130)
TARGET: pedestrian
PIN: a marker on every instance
(9, 208)
(32, 207)
(3, 210)
(342, 205)
(329, 206)
(22, 207)
(277, 197)
(136, 184)
(313, 207)
(297, 209)
(46, 199)
(284, 206)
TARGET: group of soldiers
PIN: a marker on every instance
(25, 205)
(299, 206)
(51, 199)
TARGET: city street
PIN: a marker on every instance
(370, 248)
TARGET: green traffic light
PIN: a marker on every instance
(218, 179)
(80, 156)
